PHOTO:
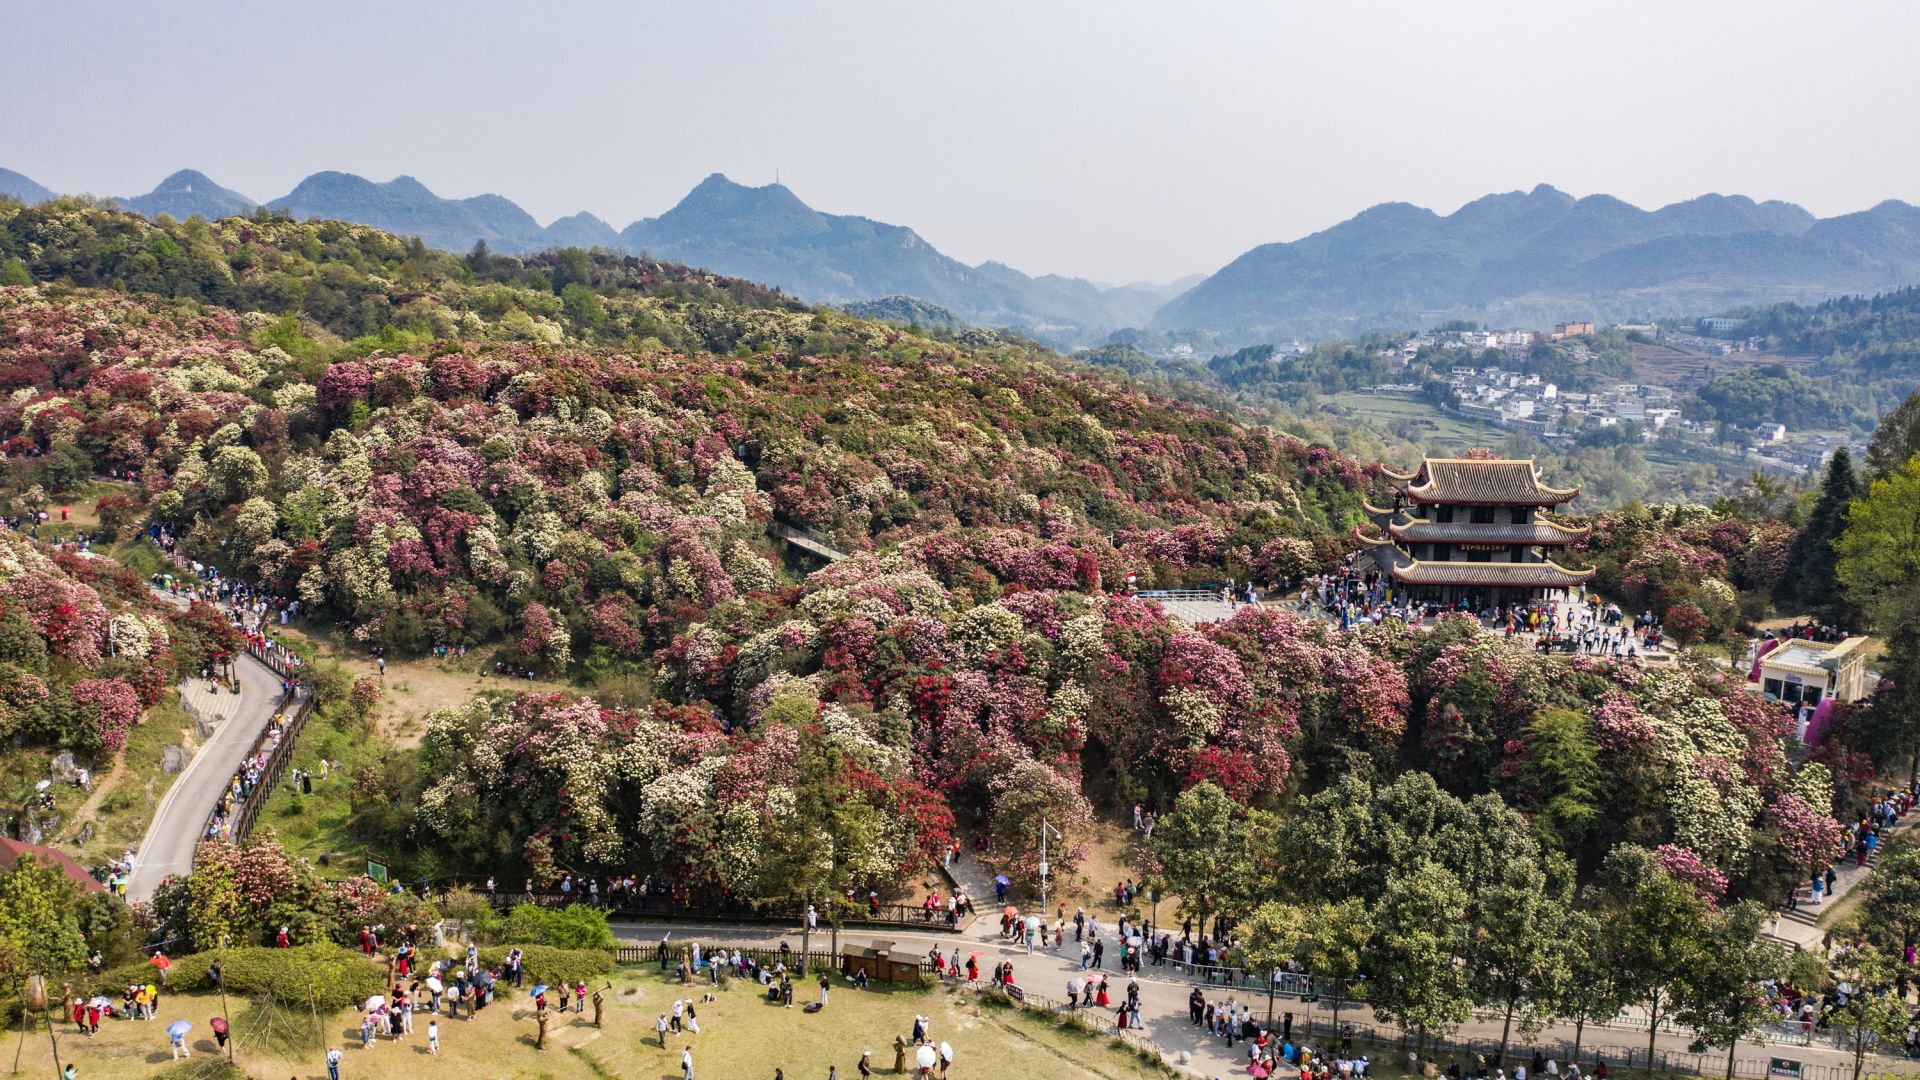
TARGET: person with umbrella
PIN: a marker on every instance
(1000, 883)
(177, 1037)
(926, 1057)
(946, 1058)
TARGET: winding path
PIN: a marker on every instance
(182, 815)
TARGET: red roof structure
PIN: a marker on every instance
(11, 850)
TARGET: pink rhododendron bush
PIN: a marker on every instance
(84, 648)
(244, 894)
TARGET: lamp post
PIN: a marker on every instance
(1045, 828)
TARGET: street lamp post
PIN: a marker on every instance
(1045, 828)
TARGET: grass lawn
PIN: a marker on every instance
(314, 825)
(142, 557)
(741, 1036)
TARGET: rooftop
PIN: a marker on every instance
(1541, 532)
(1542, 575)
(1513, 481)
(1805, 657)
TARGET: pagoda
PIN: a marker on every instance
(1472, 530)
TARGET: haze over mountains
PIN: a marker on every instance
(1523, 259)
(1530, 259)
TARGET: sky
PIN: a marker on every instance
(1110, 139)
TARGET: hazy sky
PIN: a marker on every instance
(1113, 139)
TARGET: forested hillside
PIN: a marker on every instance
(570, 461)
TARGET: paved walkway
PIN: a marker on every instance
(1164, 991)
(182, 815)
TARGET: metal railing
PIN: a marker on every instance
(651, 906)
(288, 722)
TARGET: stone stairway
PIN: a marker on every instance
(1801, 926)
(212, 709)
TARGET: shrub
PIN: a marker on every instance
(545, 964)
(575, 926)
(325, 977)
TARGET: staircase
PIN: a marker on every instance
(1801, 926)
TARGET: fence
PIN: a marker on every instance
(793, 958)
(294, 708)
(1386, 1037)
(648, 906)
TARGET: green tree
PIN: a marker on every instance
(1889, 914)
(1592, 989)
(1876, 1012)
(1206, 848)
(1561, 775)
(1336, 949)
(1878, 553)
(39, 934)
(1517, 959)
(1812, 561)
(1896, 439)
(65, 467)
(1721, 998)
(1657, 927)
(825, 847)
(1271, 936)
(1879, 566)
(1413, 975)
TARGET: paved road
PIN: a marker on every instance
(182, 814)
(1163, 995)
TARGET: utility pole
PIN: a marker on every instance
(1045, 828)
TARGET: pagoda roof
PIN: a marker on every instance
(1545, 575)
(1539, 532)
(1481, 481)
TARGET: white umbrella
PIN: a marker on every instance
(434, 984)
(946, 1052)
(1133, 940)
(1033, 922)
(926, 1057)
(374, 1002)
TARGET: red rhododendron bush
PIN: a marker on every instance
(84, 648)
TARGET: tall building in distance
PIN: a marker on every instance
(1475, 530)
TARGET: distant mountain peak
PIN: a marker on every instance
(22, 187)
(186, 180)
(407, 185)
(188, 193)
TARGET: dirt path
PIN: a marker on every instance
(103, 786)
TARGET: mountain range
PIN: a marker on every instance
(1528, 259)
(765, 233)
(1523, 259)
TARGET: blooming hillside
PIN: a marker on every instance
(574, 460)
(84, 649)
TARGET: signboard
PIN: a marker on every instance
(1019, 993)
(1482, 547)
(376, 869)
(1784, 1068)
